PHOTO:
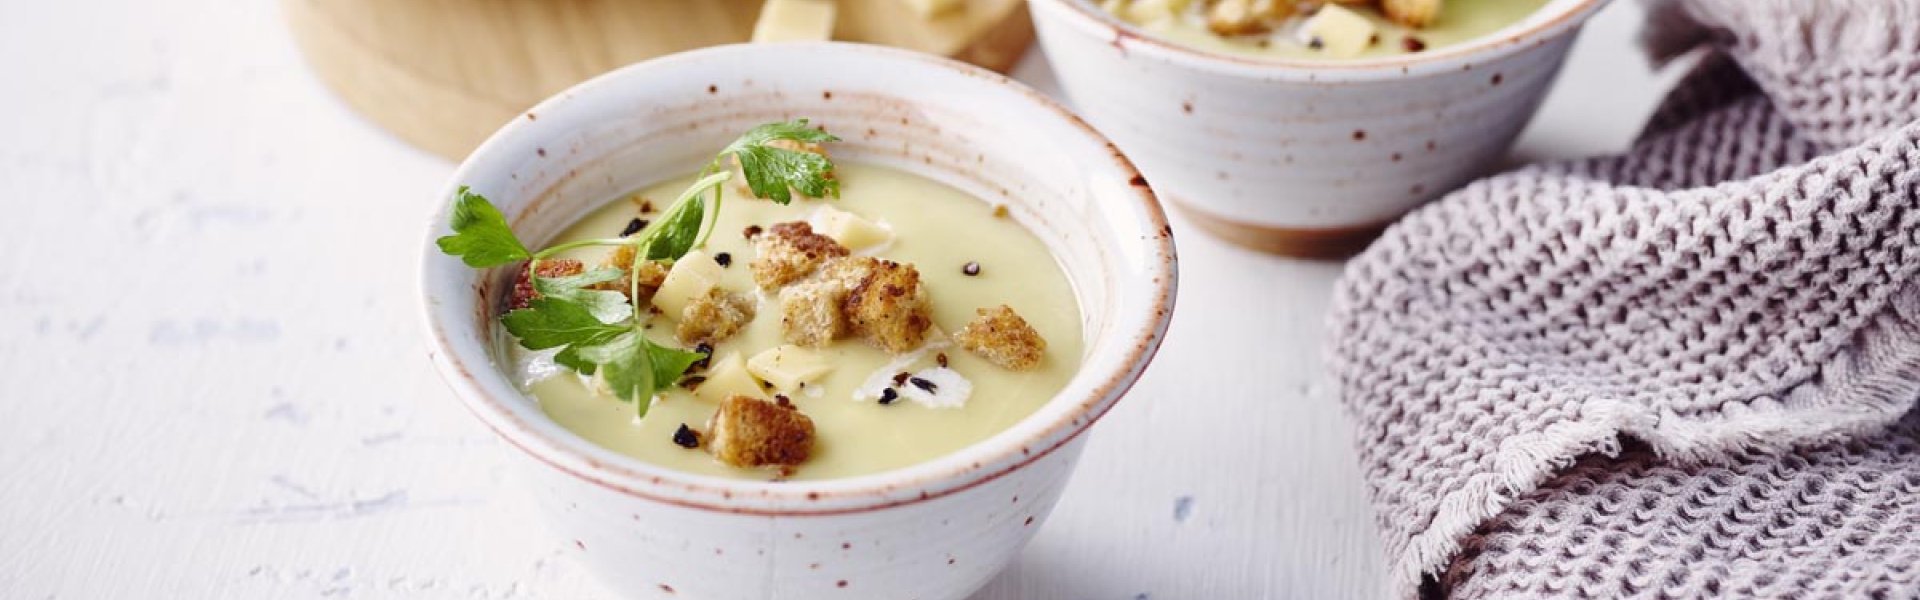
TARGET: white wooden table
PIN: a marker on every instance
(215, 385)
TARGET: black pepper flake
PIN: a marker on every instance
(751, 231)
(925, 385)
(783, 400)
(646, 206)
(900, 379)
(887, 396)
(692, 383)
(1316, 43)
(970, 269)
(942, 359)
(686, 437)
(724, 258)
(706, 360)
(1373, 39)
(633, 227)
(1413, 44)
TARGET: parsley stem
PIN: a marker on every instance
(714, 222)
(581, 244)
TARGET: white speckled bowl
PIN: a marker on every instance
(1298, 157)
(935, 530)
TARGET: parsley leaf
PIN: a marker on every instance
(636, 368)
(481, 237)
(676, 231)
(606, 305)
(679, 229)
(774, 172)
(549, 322)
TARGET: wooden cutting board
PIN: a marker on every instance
(444, 74)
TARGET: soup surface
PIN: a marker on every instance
(1293, 37)
(936, 228)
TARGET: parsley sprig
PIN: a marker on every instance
(602, 332)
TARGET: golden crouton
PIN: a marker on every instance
(889, 307)
(1003, 338)
(523, 292)
(652, 273)
(1411, 13)
(1243, 17)
(749, 432)
(810, 311)
(791, 251)
(714, 317)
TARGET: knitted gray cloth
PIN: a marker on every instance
(1686, 371)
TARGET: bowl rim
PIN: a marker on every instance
(1547, 23)
(980, 462)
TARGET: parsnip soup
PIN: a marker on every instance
(876, 320)
(1320, 30)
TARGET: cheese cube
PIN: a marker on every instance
(690, 279)
(728, 377)
(794, 21)
(928, 9)
(1148, 11)
(849, 229)
(788, 366)
(1338, 31)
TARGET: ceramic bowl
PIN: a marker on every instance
(1297, 157)
(935, 530)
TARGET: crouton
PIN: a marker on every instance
(789, 252)
(714, 317)
(749, 432)
(1003, 338)
(797, 146)
(652, 273)
(523, 292)
(810, 312)
(1244, 17)
(889, 307)
(1411, 13)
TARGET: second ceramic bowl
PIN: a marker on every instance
(939, 529)
(1305, 158)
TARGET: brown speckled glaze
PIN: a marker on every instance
(964, 126)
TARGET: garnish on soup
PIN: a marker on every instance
(591, 325)
(1326, 29)
(829, 305)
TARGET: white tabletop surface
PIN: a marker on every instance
(215, 384)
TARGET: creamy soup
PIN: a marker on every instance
(1358, 30)
(937, 229)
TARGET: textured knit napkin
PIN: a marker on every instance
(1686, 371)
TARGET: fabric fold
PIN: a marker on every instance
(1736, 286)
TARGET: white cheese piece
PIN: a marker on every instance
(1341, 32)
(882, 378)
(788, 366)
(537, 365)
(794, 21)
(928, 9)
(690, 279)
(1149, 11)
(950, 388)
(729, 377)
(849, 229)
